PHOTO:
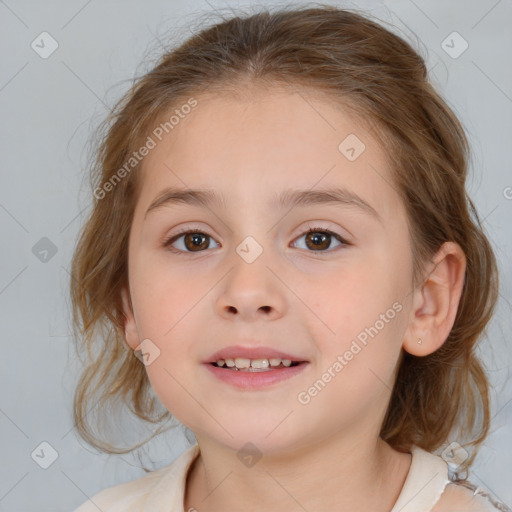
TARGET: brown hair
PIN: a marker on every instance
(353, 61)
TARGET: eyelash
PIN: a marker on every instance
(167, 243)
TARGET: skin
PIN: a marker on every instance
(251, 147)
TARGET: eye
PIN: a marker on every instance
(319, 239)
(193, 239)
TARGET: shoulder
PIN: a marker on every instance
(162, 489)
(466, 497)
(127, 496)
(431, 486)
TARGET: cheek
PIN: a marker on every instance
(163, 294)
(357, 313)
(354, 374)
(167, 305)
(344, 300)
(172, 386)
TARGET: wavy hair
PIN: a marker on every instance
(357, 63)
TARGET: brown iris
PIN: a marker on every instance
(320, 240)
(195, 240)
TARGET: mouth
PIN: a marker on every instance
(241, 364)
(255, 374)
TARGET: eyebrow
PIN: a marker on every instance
(290, 198)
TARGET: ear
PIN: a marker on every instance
(435, 301)
(131, 334)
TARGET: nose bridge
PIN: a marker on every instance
(253, 253)
(251, 284)
(253, 232)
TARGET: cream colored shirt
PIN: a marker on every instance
(163, 490)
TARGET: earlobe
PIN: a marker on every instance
(436, 301)
(131, 334)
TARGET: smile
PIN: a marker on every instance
(250, 378)
(254, 365)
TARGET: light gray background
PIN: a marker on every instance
(48, 108)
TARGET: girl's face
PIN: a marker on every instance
(254, 277)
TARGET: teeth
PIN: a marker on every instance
(260, 363)
(242, 363)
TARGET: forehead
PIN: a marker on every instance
(254, 145)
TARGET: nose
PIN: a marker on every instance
(252, 291)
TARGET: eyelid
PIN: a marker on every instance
(324, 225)
(321, 229)
(184, 231)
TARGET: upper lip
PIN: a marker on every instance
(251, 353)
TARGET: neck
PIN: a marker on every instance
(334, 474)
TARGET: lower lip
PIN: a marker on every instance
(255, 380)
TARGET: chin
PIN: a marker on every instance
(250, 442)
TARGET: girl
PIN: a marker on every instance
(282, 249)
